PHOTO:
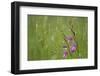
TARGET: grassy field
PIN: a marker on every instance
(57, 37)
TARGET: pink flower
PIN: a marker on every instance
(69, 38)
(73, 48)
(65, 54)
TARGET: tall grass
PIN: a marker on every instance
(46, 36)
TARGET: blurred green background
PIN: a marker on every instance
(45, 39)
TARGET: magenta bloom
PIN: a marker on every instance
(74, 44)
(69, 38)
(65, 54)
(73, 48)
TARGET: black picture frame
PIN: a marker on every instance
(15, 41)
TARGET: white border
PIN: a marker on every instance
(24, 64)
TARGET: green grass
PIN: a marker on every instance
(46, 36)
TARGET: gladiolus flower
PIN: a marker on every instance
(69, 38)
(65, 54)
(73, 48)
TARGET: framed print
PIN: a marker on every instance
(52, 37)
